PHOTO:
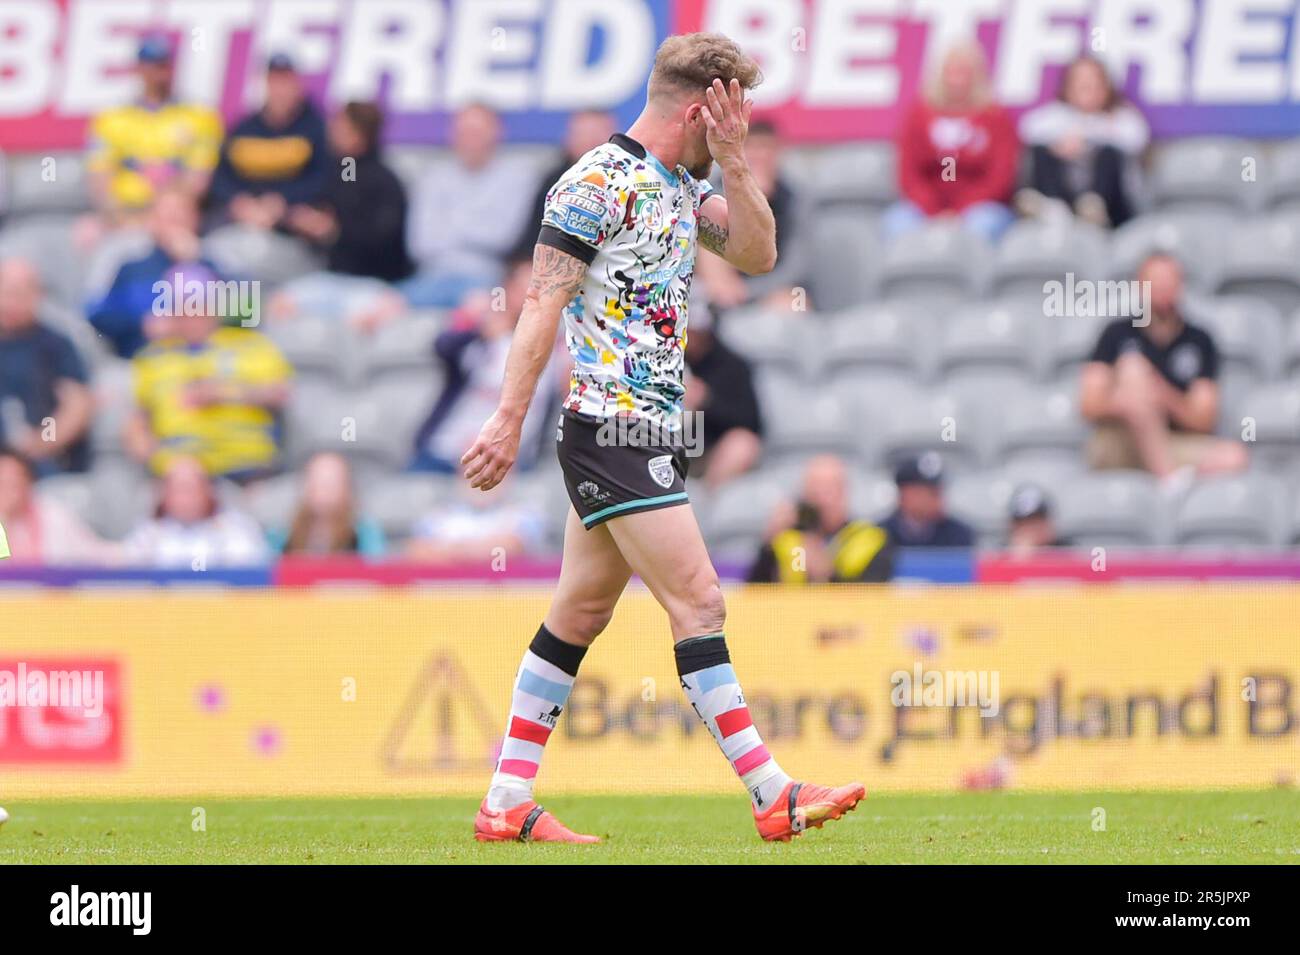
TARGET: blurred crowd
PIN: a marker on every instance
(210, 385)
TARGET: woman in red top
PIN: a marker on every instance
(957, 152)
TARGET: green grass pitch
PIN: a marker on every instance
(1181, 827)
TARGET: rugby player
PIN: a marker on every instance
(614, 257)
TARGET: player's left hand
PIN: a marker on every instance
(492, 454)
(726, 118)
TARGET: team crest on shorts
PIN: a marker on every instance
(661, 470)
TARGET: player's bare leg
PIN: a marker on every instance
(665, 548)
(592, 577)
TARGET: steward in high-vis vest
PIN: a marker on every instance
(858, 552)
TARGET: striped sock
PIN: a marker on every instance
(542, 688)
(711, 686)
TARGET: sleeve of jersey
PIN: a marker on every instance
(581, 213)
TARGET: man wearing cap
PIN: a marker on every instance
(921, 519)
(275, 158)
(1030, 525)
(152, 143)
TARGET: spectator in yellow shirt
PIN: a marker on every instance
(207, 391)
(154, 142)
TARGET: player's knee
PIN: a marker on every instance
(582, 623)
(708, 606)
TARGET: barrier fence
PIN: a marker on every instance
(277, 692)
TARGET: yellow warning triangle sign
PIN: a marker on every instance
(443, 725)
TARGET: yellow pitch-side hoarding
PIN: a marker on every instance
(279, 692)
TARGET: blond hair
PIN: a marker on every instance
(982, 92)
(690, 62)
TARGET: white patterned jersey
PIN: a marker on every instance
(634, 222)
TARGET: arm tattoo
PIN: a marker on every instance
(712, 236)
(556, 273)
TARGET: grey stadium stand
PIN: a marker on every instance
(1033, 253)
(1242, 510)
(1196, 238)
(1261, 260)
(47, 183)
(935, 261)
(246, 253)
(1040, 426)
(845, 250)
(1274, 411)
(1207, 173)
(892, 340)
(990, 340)
(1284, 177)
(1113, 509)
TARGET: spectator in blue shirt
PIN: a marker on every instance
(125, 315)
(921, 519)
(45, 403)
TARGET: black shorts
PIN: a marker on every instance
(615, 473)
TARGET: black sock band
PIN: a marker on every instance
(556, 652)
(700, 653)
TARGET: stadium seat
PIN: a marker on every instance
(1247, 331)
(46, 241)
(240, 252)
(982, 498)
(777, 339)
(1249, 337)
(114, 403)
(1069, 343)
(738, 513)
(1274, 413)
(1040, 426)
(404, 344)
(843, 256)
(110, 254)
(1284, 177)
(801, 415)
(374, 428)
(1196, 239)
(44, 182)
(413, 162)
(396, 501)
(1294, 538)
(994, 339)
(881, 339)
(315, 347)
(857, 174)
(1033, 253)
(1206, 173)
(937, 260)
(1291, 360)
(273, 502)
(1242, 510)
(76, 492)
(1260, 260)
(124, 496)
(1113, 509)
(908, 421)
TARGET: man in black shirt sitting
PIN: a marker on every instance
(1151, 390)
